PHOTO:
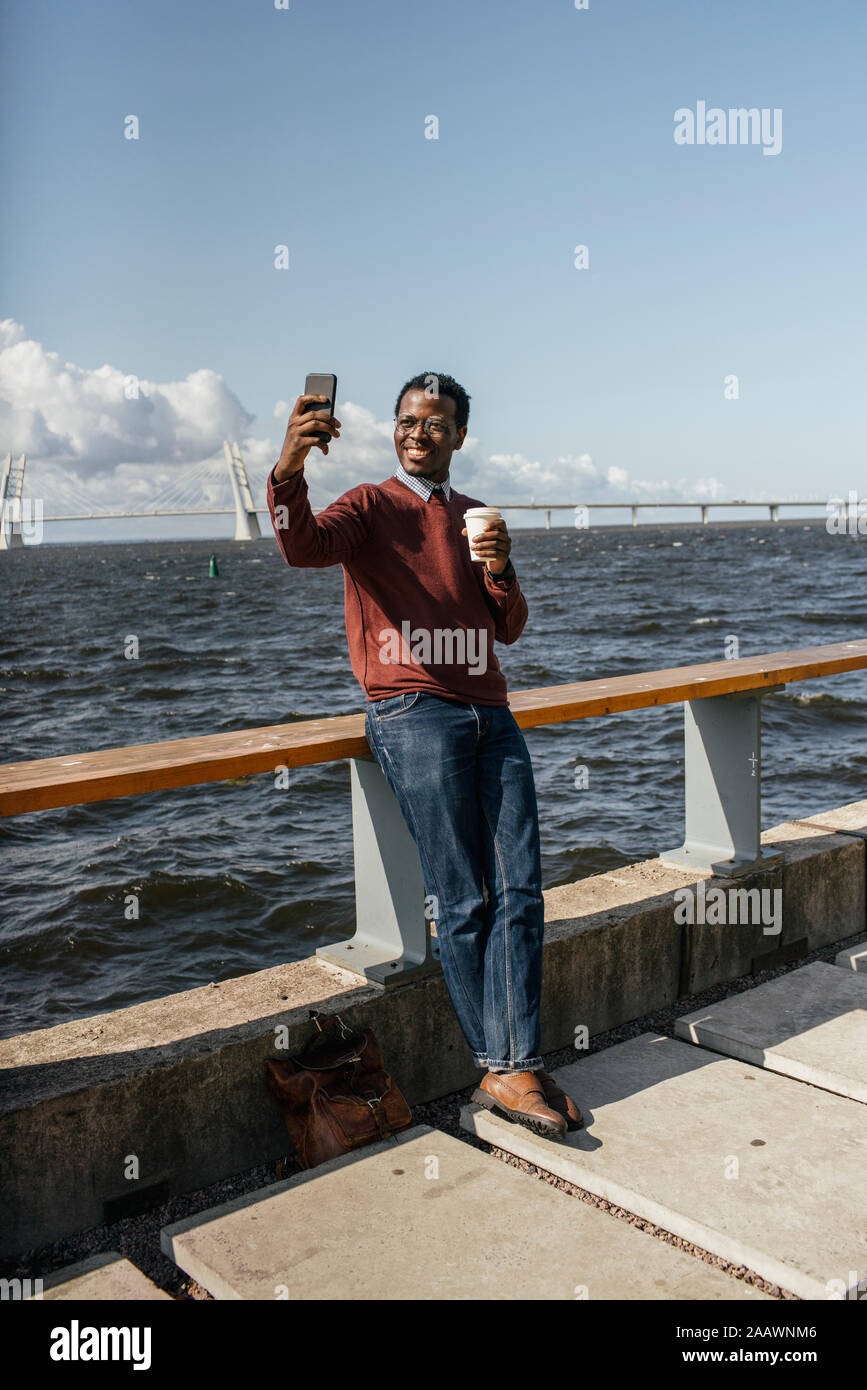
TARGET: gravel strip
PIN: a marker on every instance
(138, 1238)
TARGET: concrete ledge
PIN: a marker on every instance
(855, 958)
(104, 1277)
(818, 904)
(850, 819)
(178, 1082)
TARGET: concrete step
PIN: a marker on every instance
(810, 1024)
(105, 1276)
(755, 1167)
(430, 1217)
(855, 958)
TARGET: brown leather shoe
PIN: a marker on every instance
(559, 1101)
(518, 1096)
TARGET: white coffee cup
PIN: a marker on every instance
(476, 520)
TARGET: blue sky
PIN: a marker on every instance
(306, 127)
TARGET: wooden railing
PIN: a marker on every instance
(722, 769)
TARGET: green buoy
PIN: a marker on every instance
(213, 571)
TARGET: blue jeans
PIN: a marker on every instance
(464, 782)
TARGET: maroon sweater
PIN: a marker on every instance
(420, 614)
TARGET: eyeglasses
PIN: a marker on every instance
(437, 429)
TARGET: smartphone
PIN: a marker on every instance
(321, 384)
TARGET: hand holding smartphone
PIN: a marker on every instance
(321, 384)
(312, 422)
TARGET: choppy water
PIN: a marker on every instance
(234, 877)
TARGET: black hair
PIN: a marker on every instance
(445, 386)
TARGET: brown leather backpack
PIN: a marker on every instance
(336, 1094)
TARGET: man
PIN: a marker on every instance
(421, 618)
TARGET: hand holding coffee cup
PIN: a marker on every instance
(488, 538)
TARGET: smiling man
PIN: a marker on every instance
(420, 610)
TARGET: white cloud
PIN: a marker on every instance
(514, 478)
(78, 426)
(363, 453)
(81, 420)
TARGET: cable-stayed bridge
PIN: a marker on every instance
(224, 488)
(222, 484)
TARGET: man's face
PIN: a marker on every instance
(427, 453)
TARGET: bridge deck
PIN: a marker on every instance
(76, 778)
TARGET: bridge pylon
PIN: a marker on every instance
(11, 491)
(246, 520)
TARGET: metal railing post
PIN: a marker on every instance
(722, 784)
(392, 935)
